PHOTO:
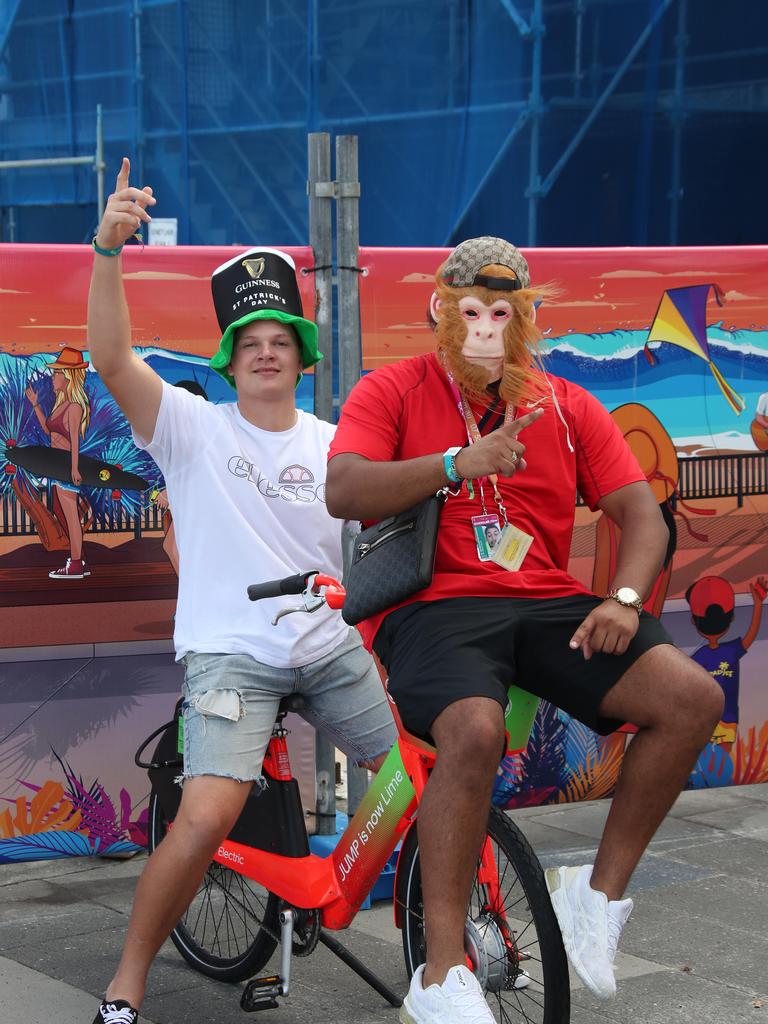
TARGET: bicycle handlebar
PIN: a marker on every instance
(277, 588)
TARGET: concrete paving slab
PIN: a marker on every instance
(588, 820)
(694, 949)
(28, 997)
(671, 997)
(730, 956)
(749, 818)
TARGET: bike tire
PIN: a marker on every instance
(527, 908)
(231, 927)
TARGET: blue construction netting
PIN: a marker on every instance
(213, 100)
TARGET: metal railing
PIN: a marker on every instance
(16, 522)
(739, 475)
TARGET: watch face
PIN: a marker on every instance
(627, 595)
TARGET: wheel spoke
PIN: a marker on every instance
(511, 927)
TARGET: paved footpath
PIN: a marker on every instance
(695, 949)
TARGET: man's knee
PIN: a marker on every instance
(695, 700)
(210, 806)
(471, 733)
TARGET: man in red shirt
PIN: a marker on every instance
(457, 417)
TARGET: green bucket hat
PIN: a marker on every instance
(259, 284)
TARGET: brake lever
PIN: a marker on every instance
(311, 603)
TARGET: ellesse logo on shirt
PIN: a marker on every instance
(294, 483)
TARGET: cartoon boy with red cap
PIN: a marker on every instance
(712, 603)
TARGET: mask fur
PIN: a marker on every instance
(522, 378)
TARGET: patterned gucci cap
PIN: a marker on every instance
(466, 261)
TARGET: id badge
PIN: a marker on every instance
(487, 531)
(511, 548)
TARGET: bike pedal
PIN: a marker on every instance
(261, 994)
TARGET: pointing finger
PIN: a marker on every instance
(522, 422)
(123, 174)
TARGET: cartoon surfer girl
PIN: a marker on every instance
(65, 426)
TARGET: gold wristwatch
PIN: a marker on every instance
(626, 596)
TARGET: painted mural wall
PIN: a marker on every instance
(674, 342)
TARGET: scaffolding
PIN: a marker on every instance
(553, 122)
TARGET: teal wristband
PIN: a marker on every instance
(449, 465)
(106, 252)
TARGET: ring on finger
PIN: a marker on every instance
(514, 458)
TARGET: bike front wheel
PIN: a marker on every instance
(512, 937)
(231, 927)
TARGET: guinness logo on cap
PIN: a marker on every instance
(255, 267)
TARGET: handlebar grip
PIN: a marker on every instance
(276, 588)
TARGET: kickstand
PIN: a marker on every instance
(359, 968)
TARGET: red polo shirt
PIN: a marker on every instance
(407, 410)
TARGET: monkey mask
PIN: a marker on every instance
(483, 308)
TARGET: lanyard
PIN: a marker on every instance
(473, 436)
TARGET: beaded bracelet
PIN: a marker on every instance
(106, 252)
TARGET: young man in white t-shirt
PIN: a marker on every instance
(246, 482)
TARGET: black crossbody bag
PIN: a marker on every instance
(392, 560)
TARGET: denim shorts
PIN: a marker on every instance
(231, 700)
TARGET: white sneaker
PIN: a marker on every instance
(459, 1000)
(590, 924)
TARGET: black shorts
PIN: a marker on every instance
(438, 652)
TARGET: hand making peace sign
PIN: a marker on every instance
(125, 210)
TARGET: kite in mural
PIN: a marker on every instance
(712, 603)
(681, 319)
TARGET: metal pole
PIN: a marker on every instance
(578, 74)
(348, 243)
(139, 81)
(320, 189)
(534, 178)
(99, 163)
(677, 116)
(185, 222)
(350, 349)
(54, 161)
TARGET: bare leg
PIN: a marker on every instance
(68, 501)
(209, 808)
(676, 704)
(453, 816)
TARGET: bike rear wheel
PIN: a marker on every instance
(231, 927)
(520, 936)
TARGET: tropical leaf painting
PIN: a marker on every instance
(750, 762)
(47, 810)
(98, 812)
(538, 776)
(45, 846)
(596, 775)
(713, 768)
(69, 821)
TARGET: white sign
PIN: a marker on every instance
(163, 231)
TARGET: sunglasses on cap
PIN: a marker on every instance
(496, 284)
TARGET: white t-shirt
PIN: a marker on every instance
(248, 505)
(762, 405)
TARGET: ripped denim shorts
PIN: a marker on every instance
(231, 700)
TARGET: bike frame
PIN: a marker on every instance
(338, 884)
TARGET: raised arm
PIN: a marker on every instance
(359, 488)
(136, 387)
